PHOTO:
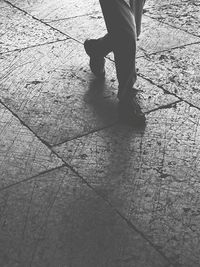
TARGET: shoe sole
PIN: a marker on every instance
(93, 62)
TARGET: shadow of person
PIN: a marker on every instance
(102, 100)
(116, 151)
(118, 164)
(92, 234)
(115, 162)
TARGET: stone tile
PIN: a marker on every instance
(152, 177)
(52, 90)
(90, 26)
(22, 155)
(19, 30)
(56, 220)
(150, 96)
(50, 87)
(183, 14)
(155, 35)
(2, 4)
(176, 70)
(49, 10)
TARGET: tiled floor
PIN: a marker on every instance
(77, 187)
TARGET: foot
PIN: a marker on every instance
(97, 61)
(130, 111)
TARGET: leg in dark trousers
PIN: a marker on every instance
(121, 28)
(123, 25)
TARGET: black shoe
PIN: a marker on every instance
(97, 60)
(130, 111)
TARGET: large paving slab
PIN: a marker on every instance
(183, 14)
(151, 176)
(53, 92)
(155, 35)
(56, 220)
(22, 155)
(49, 10)
(2, 5)
(19, 30)
(178, 71)
(81, 28)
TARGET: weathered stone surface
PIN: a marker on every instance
(2, 5)
(53, 92)
(19, 30)
(90, 26)
(155, 36)
(49, 10)
(151, 97)
(56, 220)
(151, 176)
(183, 14)
(178, 71)
(22, 155)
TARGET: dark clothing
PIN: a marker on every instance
(123, 22)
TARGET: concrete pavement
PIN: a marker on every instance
(77, 188)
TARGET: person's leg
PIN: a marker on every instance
(97, 49)
(104, 44)
(117, 12)
(121, 39)
(101, 46)
(121, 27)
(137, 8)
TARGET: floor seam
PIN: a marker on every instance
(74, 17)
(32, 46)
(41, 21)
(32, 177)
(166, 91)
(170, 105)
(167, 49)
(129, 223)
(149, 16)
(71, 37)
(86, 134)
(70, 167)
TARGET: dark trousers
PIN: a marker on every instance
(123, 22)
